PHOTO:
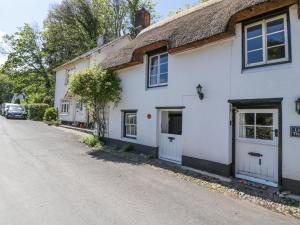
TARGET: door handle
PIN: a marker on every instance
(254, 154)
(171, 139)
(276, 132)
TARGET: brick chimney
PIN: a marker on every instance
(142, 20)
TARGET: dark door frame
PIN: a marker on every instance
(265, 103)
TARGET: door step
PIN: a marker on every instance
(256, 180)
(257, 187)
(253, 184)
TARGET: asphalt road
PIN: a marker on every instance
(47, 178)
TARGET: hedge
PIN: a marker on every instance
(36, 111)
(51, 114)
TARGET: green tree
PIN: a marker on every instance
(5, 88)
(26, 64)
(27, 55)
(97, 88)
(73, 26)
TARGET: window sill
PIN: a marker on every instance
(64, 114)
(134, 138)
(159, 86)
(130, 139)
(246, 68)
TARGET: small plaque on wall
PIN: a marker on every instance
(295, 131)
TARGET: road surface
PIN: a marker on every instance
(47, 178)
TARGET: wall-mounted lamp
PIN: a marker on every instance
(298, 106)
(199, 91)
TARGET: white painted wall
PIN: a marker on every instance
(273, 82)
(19, 96)
(95, 58)
(206, 124)
(202, 120)
(61, 90)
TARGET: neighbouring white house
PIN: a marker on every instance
(216, 88)
(70, 108)
(21, 97)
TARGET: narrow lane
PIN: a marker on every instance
(47, 178)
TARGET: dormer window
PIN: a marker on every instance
(158, 70)
(266, 42)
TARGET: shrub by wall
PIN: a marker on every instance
(50, 114)
(91, 141)
(36, 111)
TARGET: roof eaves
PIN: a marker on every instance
(251, 9)
(87, 54)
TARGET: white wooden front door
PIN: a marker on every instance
(170, 136)
(79, 112)
(256, 145)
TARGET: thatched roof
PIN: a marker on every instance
(89, 53)
(201, 23)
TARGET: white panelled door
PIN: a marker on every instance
(170, 136)
(79, 112)
(256, 143)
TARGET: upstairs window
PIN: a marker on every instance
(69, 73)
(266, 42)
(158, 70)
(67, 78)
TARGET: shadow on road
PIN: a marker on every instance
(262, 195)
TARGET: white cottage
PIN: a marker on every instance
(215, 88)
(71, 110)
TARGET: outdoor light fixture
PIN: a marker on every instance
(298, 106)
(199, 91)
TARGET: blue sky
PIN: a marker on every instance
(14, 13)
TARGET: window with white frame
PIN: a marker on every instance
(69, 72)
(158, 70)
(65, 106)
(130, 124)
(266, 41)
(256, 126)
